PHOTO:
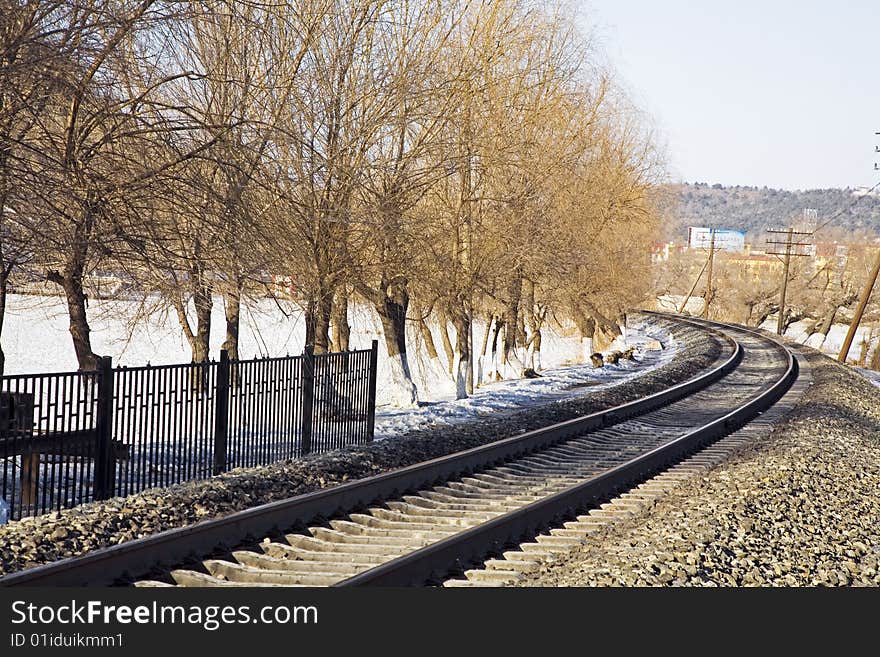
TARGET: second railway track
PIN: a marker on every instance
(417, 525)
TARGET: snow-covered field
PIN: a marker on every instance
(35, 339)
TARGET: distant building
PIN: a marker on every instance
(758, 265)
(661, 251)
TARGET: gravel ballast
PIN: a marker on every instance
(34, 541)
(800, 507)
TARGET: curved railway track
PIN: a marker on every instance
(419, 524)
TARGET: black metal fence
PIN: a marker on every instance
(73, 437)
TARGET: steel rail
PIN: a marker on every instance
(457, 552)
(126, 561)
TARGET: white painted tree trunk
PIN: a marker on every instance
(534, 357)
(496, 365)
(586, 349)
(403, 390)
(459, 372)
(437, 368)
(513, 368)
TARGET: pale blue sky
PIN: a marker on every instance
(778, 93)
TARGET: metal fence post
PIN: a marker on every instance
(308, 399)
(221, 413)
(105, 462)
(371, 401)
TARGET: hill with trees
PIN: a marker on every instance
(755, 208)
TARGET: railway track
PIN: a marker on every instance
(419, 524)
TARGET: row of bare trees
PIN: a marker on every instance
(443, 162)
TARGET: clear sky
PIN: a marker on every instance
(778, 93)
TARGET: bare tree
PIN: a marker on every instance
(90, 154)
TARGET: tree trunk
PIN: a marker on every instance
(322, 323)
(463, 363)
(511, 325)
(791, 316)
(875, 359)
(828, 321)
(232, 303)
(605, 330)
(435, 365)
(534, 323)
(481, 357)
(447, 343)
(71, 281)
(339, 321)
(4, 282)
(428, 340)
(486, 335)
(392, 308)
(522, 337)
(535, 356)
(498, 326)
(79, 325)
(317, 316)
(586, 328)
(765, 312)
(201, 344)
(199, 339)
(866, 346)
(309, 317)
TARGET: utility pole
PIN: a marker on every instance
(780, 321)
(789, 244)
(708, 296)
(857, 318)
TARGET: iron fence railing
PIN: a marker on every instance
(74, 437)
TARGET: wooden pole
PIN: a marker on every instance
(780, 322)
(708, 296)
(857, 318)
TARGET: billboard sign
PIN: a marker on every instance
(725, 240)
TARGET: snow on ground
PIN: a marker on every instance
(507, 396)
(831, 344)
(36, 340)
(872, 375)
